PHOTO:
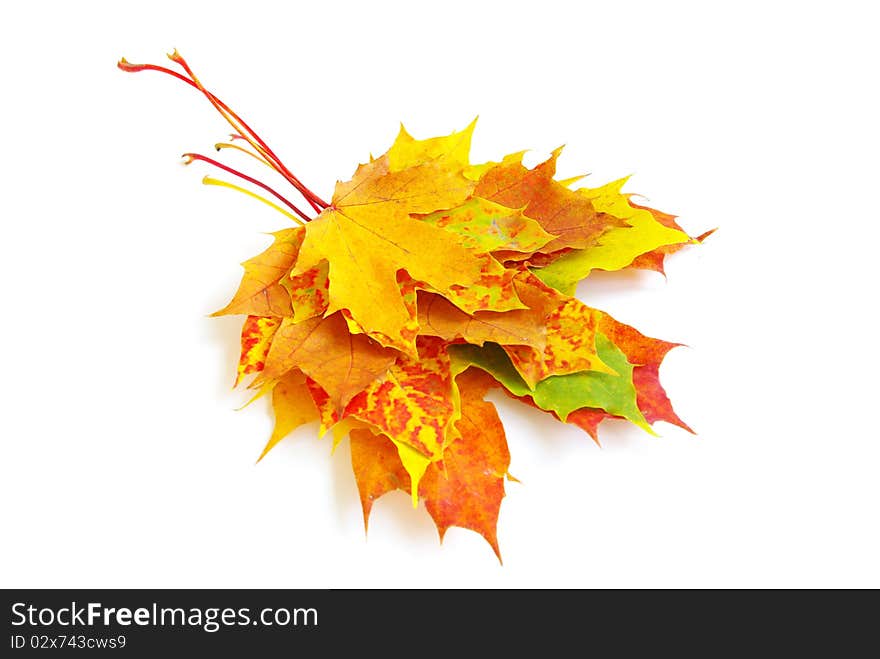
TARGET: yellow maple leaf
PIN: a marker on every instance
(367, 236)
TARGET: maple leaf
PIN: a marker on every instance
(655, 259)
(261, 292)
(367, 235)
(322, 348)
(389, 311)
(437, 316)
(377, 468)
(468, 489)
(268, 289)
(570, 335)
(464, 490)
(413, 404)
(642, 233)
(563, 394)
(646, 354)
(452, 150)
(571, 217)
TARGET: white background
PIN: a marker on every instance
(124, 462)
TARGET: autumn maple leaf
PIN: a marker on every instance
(387, 314)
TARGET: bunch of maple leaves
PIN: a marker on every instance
(425, 282)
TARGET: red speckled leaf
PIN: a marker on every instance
(412, 402)
(464, 490)
(570, 327)
(467, 489)
(256, 337)
(327, 413)
(309, 292)
(492, 291)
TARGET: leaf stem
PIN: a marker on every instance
(256, 156)
(190, 157)
(248, 132)
(243, 130)
(208, 180)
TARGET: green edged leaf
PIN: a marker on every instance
(563, 394)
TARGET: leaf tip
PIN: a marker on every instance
(366, 508)
(494, 544)
(699, 239)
